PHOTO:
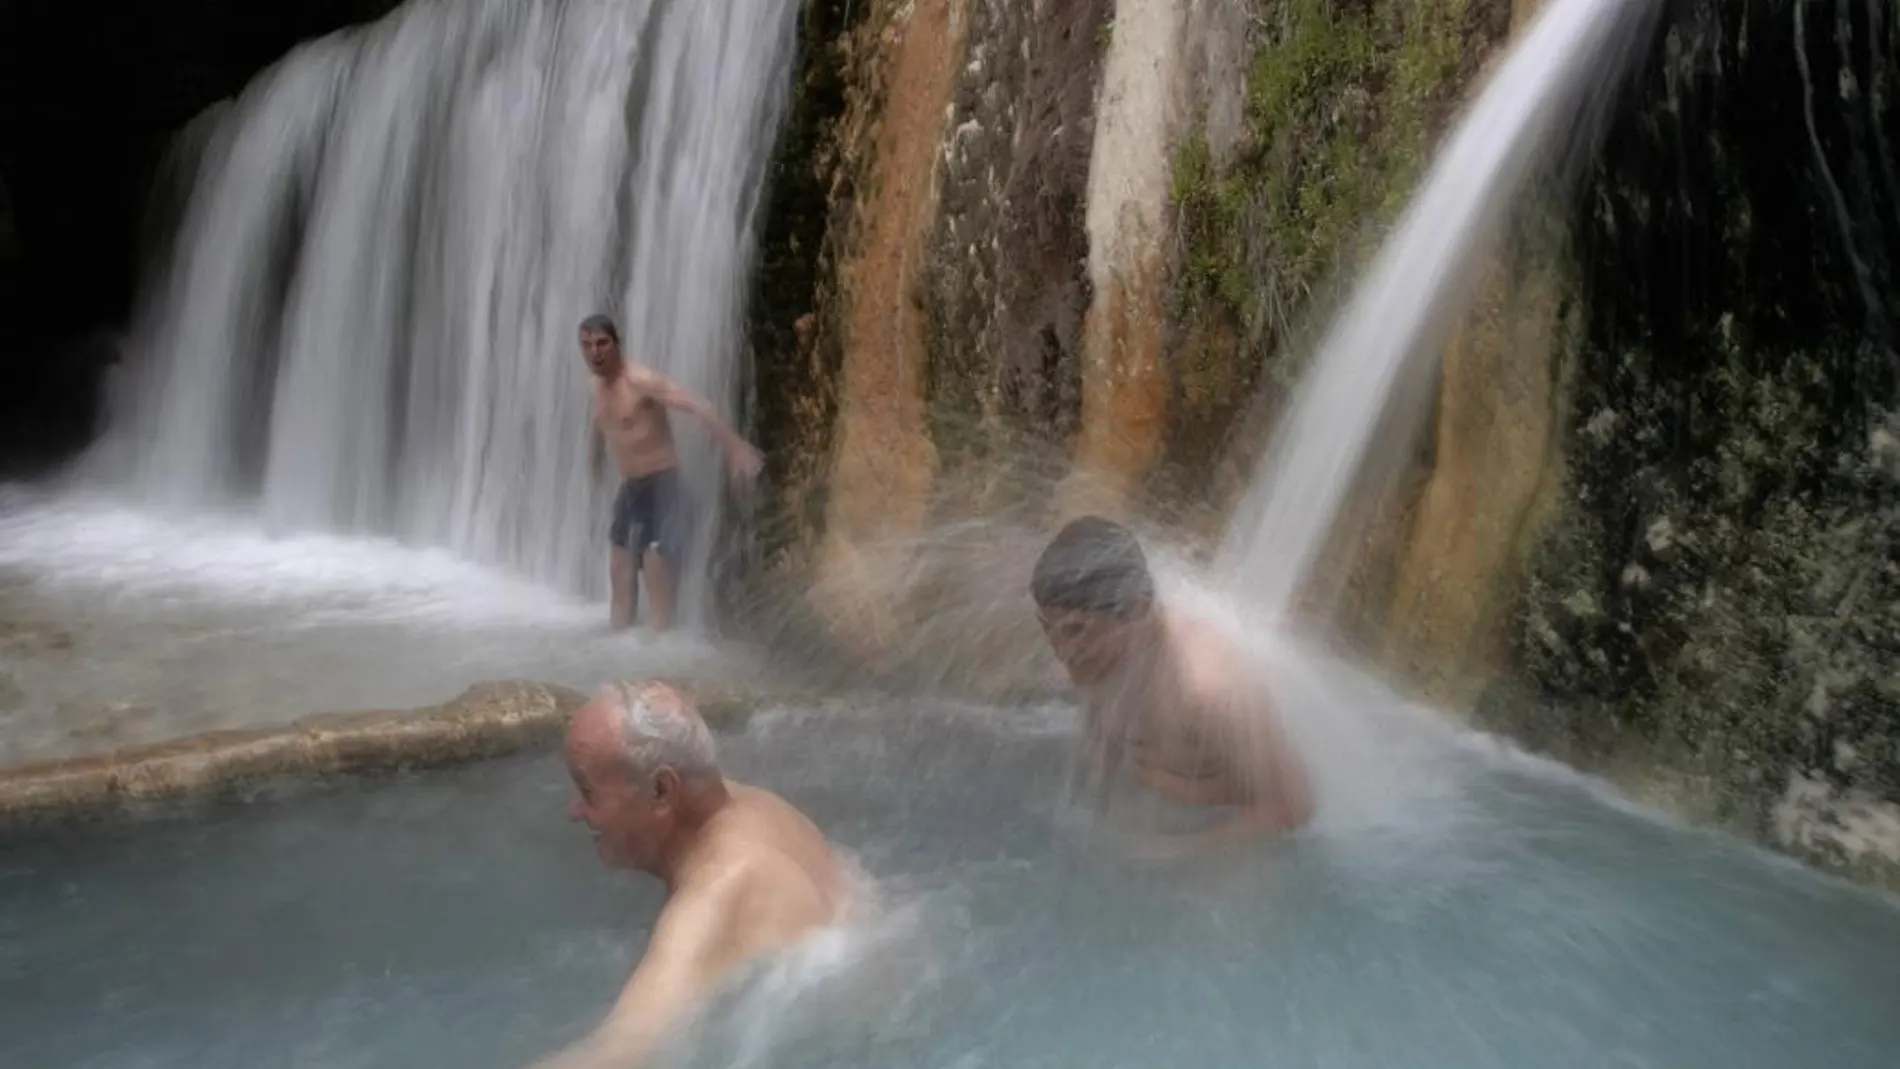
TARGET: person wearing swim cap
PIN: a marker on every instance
(1169, 694)
(650, 513)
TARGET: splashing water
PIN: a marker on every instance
(367, 322)
(448, 920)
(1373, 757)
(1371, 374)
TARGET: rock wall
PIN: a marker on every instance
(1125, 382)
(1712, 614)
(1008, 283)
(1343, 104)
(946, 311)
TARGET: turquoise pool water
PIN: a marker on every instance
(1506, 917)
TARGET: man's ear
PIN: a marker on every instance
(666, 785)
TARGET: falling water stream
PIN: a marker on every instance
(346, 461)
(1371, 375)
(1369, 383)
(367, 323)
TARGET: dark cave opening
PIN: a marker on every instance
(94, 95)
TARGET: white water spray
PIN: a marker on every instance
(1373, 757)
(1554, 83)
(367, 324)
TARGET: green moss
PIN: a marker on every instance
(1209, 207)
(1342, 106)
(1724, 609)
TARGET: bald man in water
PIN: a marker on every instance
(1170, 695)
(745, 873)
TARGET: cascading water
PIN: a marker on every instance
(1374, 758)
(367, 322)
(1371, 375)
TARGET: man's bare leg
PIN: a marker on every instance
(659, 582)
(626, 597)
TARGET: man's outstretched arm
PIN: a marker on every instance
(673, 395)
(684, 961)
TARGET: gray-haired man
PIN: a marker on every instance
(746, 874)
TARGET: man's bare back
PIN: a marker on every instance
(746, 874)
(769, 871)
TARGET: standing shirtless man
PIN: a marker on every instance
(746, 874)
(650, 518)
(1168, 694)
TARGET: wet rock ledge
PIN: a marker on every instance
(486, 721)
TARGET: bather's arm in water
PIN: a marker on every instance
(690, 951)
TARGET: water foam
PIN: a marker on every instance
(90, 542)
(867, 982)
(1376, 760)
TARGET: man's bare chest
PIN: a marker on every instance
(627, 410)
(1158, 733)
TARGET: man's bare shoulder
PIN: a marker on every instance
(645, 380)
(713, 918)
(1214, 668)
(694, 934)
(778, 860)
(757, 803)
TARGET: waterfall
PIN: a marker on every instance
(366, 323)
(1371, 376)
(1374, 757)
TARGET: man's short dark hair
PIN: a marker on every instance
(1093, 565)
(601, 324)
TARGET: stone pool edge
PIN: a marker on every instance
(487, 720)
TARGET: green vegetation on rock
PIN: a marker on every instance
(1343, 103)
(1716, 598)
(1721, 588)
